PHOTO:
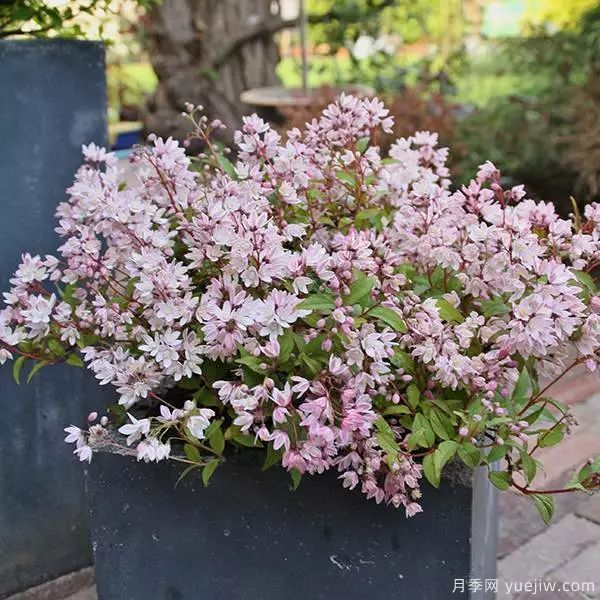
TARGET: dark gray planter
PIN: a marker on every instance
(248, 537)
(52, 100)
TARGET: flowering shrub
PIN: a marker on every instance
(338, 309)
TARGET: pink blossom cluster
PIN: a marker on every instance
(342, 309)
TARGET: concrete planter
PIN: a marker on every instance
(52, 100)
(248, 537)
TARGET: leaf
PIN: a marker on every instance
(246, 440)
(448, 312)
(192, 453)
(403, 360)
(421, 423)
(545, 505)
(363, 144)
(252, 362)
(273, 457)
(441, 424)
(585, 279)
(16, 370)
(36, 367)
(385, 436)
(496, 453)
(390, 317)
(345, 177)
(431, 470)
(529, 466)
(217, 441)
(521, 391)
(205, 397)
(499, 479)
(494, 307)
(185, 473)
(446, 451)
(469, 454)
(550, 437)
(227, 166)
(414, 395)
(74, 360)
(321, 301)
(286, 345)
(397, 409)
(208, 471)
(361, 287)
(296, 478)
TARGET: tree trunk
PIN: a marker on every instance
(208, 52)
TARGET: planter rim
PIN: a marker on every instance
(455, 473)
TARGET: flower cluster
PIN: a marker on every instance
(339, 309)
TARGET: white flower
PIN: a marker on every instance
(197, 424)
(84, 453)
(135, 430)
(75, 436)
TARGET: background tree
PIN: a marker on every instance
(208, 52)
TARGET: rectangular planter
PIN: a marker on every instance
(52, 100)
(248, 537)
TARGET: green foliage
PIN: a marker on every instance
(37, 18)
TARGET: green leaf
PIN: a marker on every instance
(402, 360)
(345, 177)
(192, 453)
(521, 392)
(74, 360)
(253, 363)
(414, 395)
(585, 279)
(441, 424)
(321, 301)
(494, 307)
(217, 441)
(360, 289)
(469, 454)
(448, 312)
(390, 317)
(397, 409)
(363, 144)
(496, 453)
(421, 423)
(273, 457)
(204, 397)
(296, 478)
(286, 345)
(431, 470)
(227, 166)
(38, 365)
(446, 451)
(385, 436)
(16, 370)
(499, 479)
(313, 366)
(545, 505)
(208, 471)
(185, 473)
(550, 437)
(529, 466)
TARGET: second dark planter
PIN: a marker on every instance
(248, 537)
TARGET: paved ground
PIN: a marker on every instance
(528, 551)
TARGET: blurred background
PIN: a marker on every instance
(513, 81)
(516, 82)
